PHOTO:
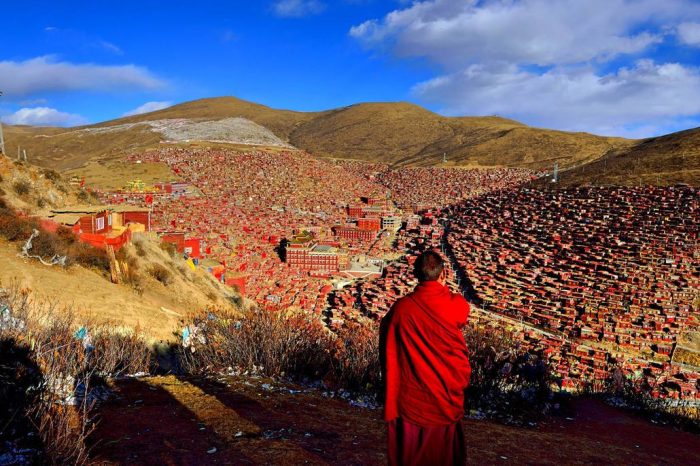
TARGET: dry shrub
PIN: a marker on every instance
(169, 248)
(121, 352)
(140, 251)
(356, 356)
(89, 256)
(161, 273)
(507, 381)
(273, 343)
(54, 373)
(66, 235)
(48, 244)
(51, 175)
(22, 187)
(13, 227)
(635, 393)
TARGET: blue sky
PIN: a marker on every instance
(618, 67)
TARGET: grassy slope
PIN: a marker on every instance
(406, 134)
(397, 133)
(673, 158)
(89, 292)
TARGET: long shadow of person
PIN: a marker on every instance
(323, 433)
(145, 424)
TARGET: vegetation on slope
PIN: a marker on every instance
(664, 160)
(396, 133)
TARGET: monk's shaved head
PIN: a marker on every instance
(428, 266)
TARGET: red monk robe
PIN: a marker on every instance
(426, 370)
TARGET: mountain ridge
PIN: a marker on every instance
(396, 133)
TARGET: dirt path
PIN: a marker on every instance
(171, 421)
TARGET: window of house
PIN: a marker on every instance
(100, 223)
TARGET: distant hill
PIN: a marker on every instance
(396, 133)
(670, 159)
(406, 134)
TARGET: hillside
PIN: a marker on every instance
(144, 302)
(669, 159)
(395, 133)
(406, 134)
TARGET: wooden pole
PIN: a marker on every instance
(2, 141)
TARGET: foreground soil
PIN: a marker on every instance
(236, 420)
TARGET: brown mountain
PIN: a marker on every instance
(395, 133)
(670, 159)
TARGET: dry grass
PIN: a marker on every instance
(665, 160)
(55, 373)
(396, 133)
(300, 347)
(115, 174)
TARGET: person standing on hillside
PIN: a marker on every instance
(425, 368)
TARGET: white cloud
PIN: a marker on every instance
(456, 33)
(298, 8)
(568, 64)
(148, 107)
(43, 116)
(578, 100)
(110, 47)
(44, 74)
(689, 33)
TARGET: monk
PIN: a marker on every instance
(425, 367)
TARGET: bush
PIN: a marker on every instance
(140, 251)
(41, 203)
(13, 227)
(89, 256)
(507, 381)
(83, 196)
(169, 248)
(273, 343)
(51, 175)
(66, 235)
(47, 244)
(22, 188)
(43, 364)
(356, 357)
(161, 273)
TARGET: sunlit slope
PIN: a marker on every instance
(395, 133)
(670, 159)
(406, 134)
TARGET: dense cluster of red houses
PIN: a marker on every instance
(591, 278)
(424, 188)
(610, 273)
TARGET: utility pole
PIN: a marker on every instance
(2, 141)
(555, 173)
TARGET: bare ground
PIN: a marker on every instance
(173, 421)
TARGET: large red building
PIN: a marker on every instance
(369, 223)
(317, 259)
(353, 233)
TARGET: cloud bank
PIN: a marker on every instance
(43, 116)
(568, 64)
(47, 74)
